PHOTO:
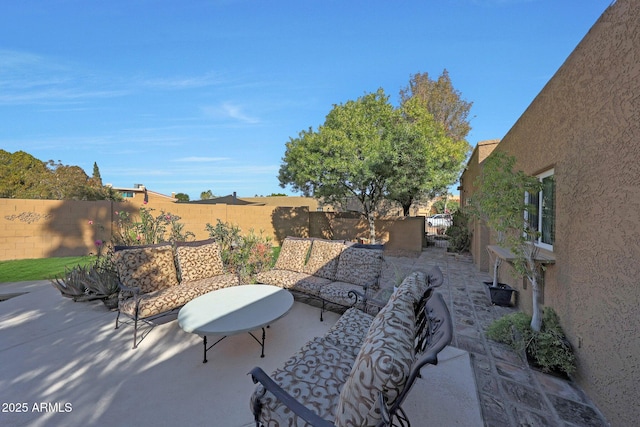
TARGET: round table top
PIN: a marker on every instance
(236, 309)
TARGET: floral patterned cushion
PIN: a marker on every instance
(311, 285)
(149, 268)
(349, 331)
(338, 292)
(214, 283)
(160, 301)
(360, 266)
(293, 254)
(198, 260)
(323, 260)
(382, 365)
(415, 284)
(313, 376)
(282, 278)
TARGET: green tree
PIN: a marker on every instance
(22, 176)
(97, 179)
(442, 101)
(445, 204)
(347, 157)
(182, 197)
(69, 182)
(500, 202)
(206, 195)
(438, 119)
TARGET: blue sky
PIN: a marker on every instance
(194, 95)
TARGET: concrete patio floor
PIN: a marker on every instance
(68, 357)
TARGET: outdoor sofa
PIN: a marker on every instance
(360, 371)
(151, 285)
(331, 271)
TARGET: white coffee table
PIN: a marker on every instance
(234, 310)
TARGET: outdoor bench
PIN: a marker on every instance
(360, 371)
(151, 286)
(332, 271)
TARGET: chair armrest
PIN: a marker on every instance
(259, 376)
(128, 291)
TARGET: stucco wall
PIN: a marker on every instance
(480, 237)
(585, 124)
(51, 228)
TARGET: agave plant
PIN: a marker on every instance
(73, 283)
(85, 283)
(101, 281)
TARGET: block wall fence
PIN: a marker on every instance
(57, 228)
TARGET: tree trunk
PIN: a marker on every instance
(496, 266)
(405, 209)
(372, 228)
(536, 319)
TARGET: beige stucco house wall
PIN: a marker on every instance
(585, 124)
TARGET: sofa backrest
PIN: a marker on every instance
(360, 266)
(383, 363)
(323, 259)
(198, 260)
(293, 254)
(149, 268)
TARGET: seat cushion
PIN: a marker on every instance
(311, 285)
(282, 278)
(149, 268)
(293, 254)
(360, 266)
(198, 260)
(350, 330)
(313, 376)
(214, 283)
(161, 301)
(338, 292)
(323, 259)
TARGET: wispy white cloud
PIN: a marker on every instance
(195, 159)
(27, 78)
(228, 110)
(178, 83)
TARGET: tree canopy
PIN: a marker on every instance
(438, 115)
(370, 151)
(23, 176)
(347, 157)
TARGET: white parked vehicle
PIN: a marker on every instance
(439, 220)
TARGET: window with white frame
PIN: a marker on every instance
(542, 214)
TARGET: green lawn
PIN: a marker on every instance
(46, 268)
(38, 269)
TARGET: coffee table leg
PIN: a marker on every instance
(205, 350)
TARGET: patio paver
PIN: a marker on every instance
(510, 392)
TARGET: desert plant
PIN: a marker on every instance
(72, 283)
(548, 348)
(244, 255)
(98, 280)
(146, 229)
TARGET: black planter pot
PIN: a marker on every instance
(501, 294)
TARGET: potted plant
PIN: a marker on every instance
(500, 201)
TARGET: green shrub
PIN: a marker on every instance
(548, 349)
(147, 229)
(459, 234)
(244, 255)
